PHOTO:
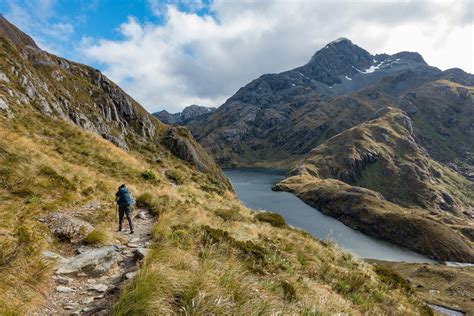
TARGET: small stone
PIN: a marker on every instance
(133, 245)
(64, 289)
(98, 287)
(87, 300)
(87, 309)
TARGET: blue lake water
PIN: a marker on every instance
(253, 187)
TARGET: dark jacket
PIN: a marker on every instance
(123, 197)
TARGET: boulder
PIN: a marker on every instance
(67, 227)
(93, 262)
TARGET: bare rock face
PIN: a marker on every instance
(93, 262)
(177, 140)
(67, 227)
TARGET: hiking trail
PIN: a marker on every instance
(88, 280)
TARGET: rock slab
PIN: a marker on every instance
(93, 262)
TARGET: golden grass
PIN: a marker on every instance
(209, 254)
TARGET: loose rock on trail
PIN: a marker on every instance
(88, 282)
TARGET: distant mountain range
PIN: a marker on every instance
(392, 124)
(189, 113)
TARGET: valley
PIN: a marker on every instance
(69, 138)
(376, 193)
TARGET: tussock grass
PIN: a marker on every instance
(99, 236)
(212, 264)
(273, 219)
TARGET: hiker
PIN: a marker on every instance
(124, 201)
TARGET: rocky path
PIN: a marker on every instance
(87, 282)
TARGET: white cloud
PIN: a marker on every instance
(33, 17)
(203, 60)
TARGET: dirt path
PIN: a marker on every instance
(86, 293)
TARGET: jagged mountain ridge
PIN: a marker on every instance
(264, 121)
(189, 113)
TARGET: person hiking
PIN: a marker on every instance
(124, 201)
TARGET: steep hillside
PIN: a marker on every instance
(434, 202)
(69, 137)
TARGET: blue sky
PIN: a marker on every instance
(60, 26)
(169, 54)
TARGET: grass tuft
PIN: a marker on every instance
(276, 220)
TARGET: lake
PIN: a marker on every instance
(253, 187)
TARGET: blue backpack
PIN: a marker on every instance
(124, 197)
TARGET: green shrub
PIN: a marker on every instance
(149, 175)
(273, 219)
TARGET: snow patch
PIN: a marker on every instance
(369, 70)
(348, 78)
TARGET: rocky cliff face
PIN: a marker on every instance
(32, 79)
(189, 113)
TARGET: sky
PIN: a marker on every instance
(170, 54)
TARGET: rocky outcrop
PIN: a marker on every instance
(92, 262)
(67, 227)
(179, 141)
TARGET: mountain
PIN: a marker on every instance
(278, 118)
(389, 127)
(69, 138)
(189, 113)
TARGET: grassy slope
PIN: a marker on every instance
(48, 164)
